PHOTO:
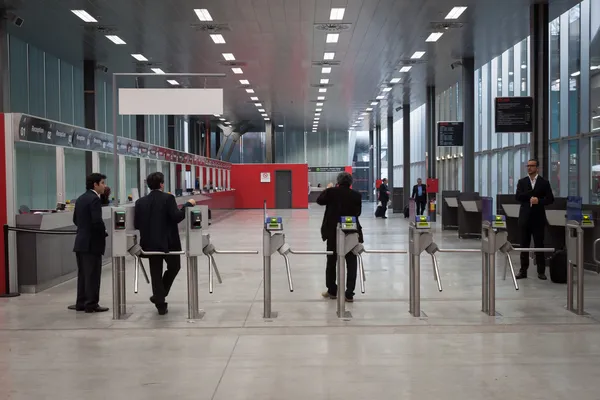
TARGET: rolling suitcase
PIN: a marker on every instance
(379, 212)
(558, 267)
(406, 212)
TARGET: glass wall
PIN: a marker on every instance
(449, 162)
(36, 187)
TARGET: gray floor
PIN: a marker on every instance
(535, 349)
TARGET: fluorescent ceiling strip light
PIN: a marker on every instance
(318, 110)
(324, 81)
(203, 14)
(395, 80)
(380, 97)
(222, 119)
(249, 90)
(84, 15)
(387, 89)
(332, 37)
(254, 98)
(417, 55)
(267, 119)
(139, 57)
(574, 74)
(237, 71)
(434, 37)
(281, 126)
(323, 90)
(319, 104)
(369, 109)
(115, 39)
(158, 71)
(258, 104)
(374, 103)
(329, 55)
(326, 70)
(229, 56)
(244, 81)
(264, 115)
(321, 98)
(217, 38)
(456, 12)
(261, 110)
(317, 114)
(173, 82)
(405, 69)
(217, 115)
(337, 14)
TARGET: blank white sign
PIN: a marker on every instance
(170, 101)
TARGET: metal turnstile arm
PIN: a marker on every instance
(534, 249)
(436, 271)
(160, 253)
(459, 250)
(510, 265)
(385, 251)
(139, 265)
(236, 252)
(309, 252)
(289, 272)
(361, 271)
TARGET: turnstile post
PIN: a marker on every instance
(266, 274)
(341, 272)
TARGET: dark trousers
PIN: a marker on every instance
(89, 272)
(161, 283)
(537, 231)
(331, 272)
(420, 204)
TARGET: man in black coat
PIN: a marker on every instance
(534, 193)
(419, 193)
(90, 243)
(384, 197)
(157, 217)
(340, 201)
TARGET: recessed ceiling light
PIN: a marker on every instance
(139, 57)
(115, 39)
(84, 15)
(203, 14)
(158, 71)
(281, 126)
(267, 119)
(326, 70)
(264, 115)
(321, 98)
(456, 12)
(217, 38)
(319, 104)
(434, 37)
(237, 71)
(317, 114)
(173, 82)
(322, 90)
(328, 55)
(228, 56)
(227, 123)
(574, 74)
(395, 80)
(374, 103)
(406, 68)
(332, 37)
(380, 97)
(318, 110)
(324, 81)
(417, 55)
(369, 109)
(222, 119)
(244, 81)
(254, 98)
(217, 115)
(364, 114)
(258, 104)
(387, 89)
(261, 110)
(337, 14)
(361, 118)
(249, 90)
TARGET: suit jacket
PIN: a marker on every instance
(157, 217)
(339, 202)
(533, 214)
(384, 197)
(91, 231)
(415, 192)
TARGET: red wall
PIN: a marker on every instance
(250, 192)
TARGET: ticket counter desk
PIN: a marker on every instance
(44, 261)
(314, 194)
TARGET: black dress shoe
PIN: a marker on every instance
(163, 311)
(75, 308)
(152, 300)
(542, 277)
(521, 275)
(96, 309)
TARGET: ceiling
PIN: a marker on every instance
(277, 42)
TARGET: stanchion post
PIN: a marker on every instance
(266, 273)
(341, 272)
(580, 272)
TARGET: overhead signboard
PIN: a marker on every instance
(170, 101)
(450, 133)
(326, 169)
(514, 114)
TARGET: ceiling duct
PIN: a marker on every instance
(212, 27)
(233, 63)
(412, 61)
(326, 63)
(444, 25)
(333, 27)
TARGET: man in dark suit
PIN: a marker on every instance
(90, 243)
(157, 217)
(340, 201)
(534, 193)
(384, 196)
(419, 193)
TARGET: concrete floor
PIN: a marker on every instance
(535, 349)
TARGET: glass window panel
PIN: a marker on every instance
(35, 175)
(573, 168)
(52, 80)
(595, 172)
(555, 78)
(74, 173)
(574, 69)
(555, 168)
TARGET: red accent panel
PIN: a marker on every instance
(3, 205)
(250, 192)
(432, 185)
(348, 169)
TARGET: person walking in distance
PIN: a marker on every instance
(419, 193)
(384, 197)
(157, 217)
(339, 201)
(534, 194)
(90, 244)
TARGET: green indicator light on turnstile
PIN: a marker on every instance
(348, 219)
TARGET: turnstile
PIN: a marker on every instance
(574, 242)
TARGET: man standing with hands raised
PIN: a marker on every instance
(534, 193)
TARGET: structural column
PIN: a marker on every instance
(171, 131)
(269, 142)
(468, 117)
(431, 133)
(378, 151)
(540, 54)
(140, 135)
(406, 150)
(89, 106)
(390, 150)
(371, 165)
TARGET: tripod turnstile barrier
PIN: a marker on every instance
(574, 243)
(274, 241)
